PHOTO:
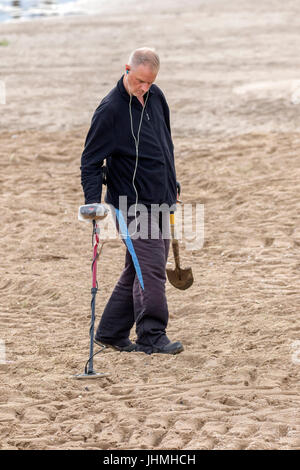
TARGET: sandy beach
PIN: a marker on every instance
(230, 73)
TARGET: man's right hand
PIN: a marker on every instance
(95, 211)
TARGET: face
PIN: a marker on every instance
(140, 79)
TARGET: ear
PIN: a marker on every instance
(127, 69)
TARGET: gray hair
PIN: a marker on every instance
(145, 56)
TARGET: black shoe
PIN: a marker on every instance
(128, 347)
(170, 348)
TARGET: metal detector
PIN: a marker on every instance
(92, 213)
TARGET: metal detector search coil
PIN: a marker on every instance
(90, 212)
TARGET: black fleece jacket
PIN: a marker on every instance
(110, 138)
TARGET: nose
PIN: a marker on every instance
(145, 87)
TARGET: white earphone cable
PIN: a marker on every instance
(136, 141)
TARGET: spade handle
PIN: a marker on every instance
(175, 244)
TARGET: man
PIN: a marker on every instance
(131, 130)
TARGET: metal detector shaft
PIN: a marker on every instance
(93, 292)
(92, 213)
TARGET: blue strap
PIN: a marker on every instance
(126, 237)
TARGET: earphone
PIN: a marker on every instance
(137, 141)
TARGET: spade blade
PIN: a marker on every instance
(180, 278)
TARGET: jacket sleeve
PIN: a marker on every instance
(99, 144)
(166, 111)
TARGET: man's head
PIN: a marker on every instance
(141, 71)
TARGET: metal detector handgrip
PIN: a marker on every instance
(90, 212)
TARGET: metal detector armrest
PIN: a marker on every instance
(90, 212)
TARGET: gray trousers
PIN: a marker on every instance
(145, 303)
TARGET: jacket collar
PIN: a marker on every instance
(123, 91)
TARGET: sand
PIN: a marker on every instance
(230, 74)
